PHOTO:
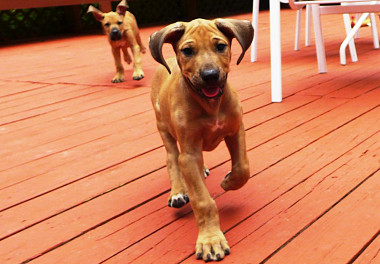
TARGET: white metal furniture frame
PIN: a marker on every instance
(318, 7)
(355, 32)
(347, 22)
(255, 23)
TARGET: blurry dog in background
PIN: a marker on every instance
(123, 33)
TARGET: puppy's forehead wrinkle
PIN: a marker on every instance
(201, 28)
(112, 17)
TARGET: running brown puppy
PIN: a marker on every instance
(122, 31)
(197, 108)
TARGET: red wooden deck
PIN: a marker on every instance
(82, 167)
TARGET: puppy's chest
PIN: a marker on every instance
(214, 131)
(120, 43)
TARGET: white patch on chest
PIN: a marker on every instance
(217, 126)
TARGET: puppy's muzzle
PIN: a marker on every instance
(115, 34)
(211, 83)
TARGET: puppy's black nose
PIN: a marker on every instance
(210, 75)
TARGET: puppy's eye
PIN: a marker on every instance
(119, 23)
(107, 24)
(188, 52)
(221, 47)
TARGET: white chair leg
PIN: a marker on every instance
(374, 31)
(255, 24)
(319, 43)
(347, 25)
(308, 26)
(298, 30)
(275, 50)
(350, 35)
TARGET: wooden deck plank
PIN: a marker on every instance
(68, 166)
(9, 89)
(46, 143)
(291, 215)
(28, 108)
(82, 167)
(329, 236)
(371, 254)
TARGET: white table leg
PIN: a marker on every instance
(308, 26)
(275, 50)
(319, 43)
(298, 30)
(255, 24)
(374, 31)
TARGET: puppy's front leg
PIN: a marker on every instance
(127, 58)
(119, 77)
(138, 73)
(239, 174)
(211, 243)
(178, 194)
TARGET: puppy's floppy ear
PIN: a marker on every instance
(96, 12)
(122, 7)
(242, 30)
(170, 34)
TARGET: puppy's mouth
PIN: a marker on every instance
(208, 88)
(211, 92)
(208, 92)
(115, 36)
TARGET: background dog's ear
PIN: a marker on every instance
(122, 7)
(242, 30)
(170, 34)
(96, 12)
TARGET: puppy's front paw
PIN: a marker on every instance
(119, 77)
(235, 181)
(211, 246)
(178, 200)
(138, 75)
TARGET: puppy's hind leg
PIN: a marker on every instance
(178, 194)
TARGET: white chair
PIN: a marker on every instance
(255, 22)
(321, 7)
